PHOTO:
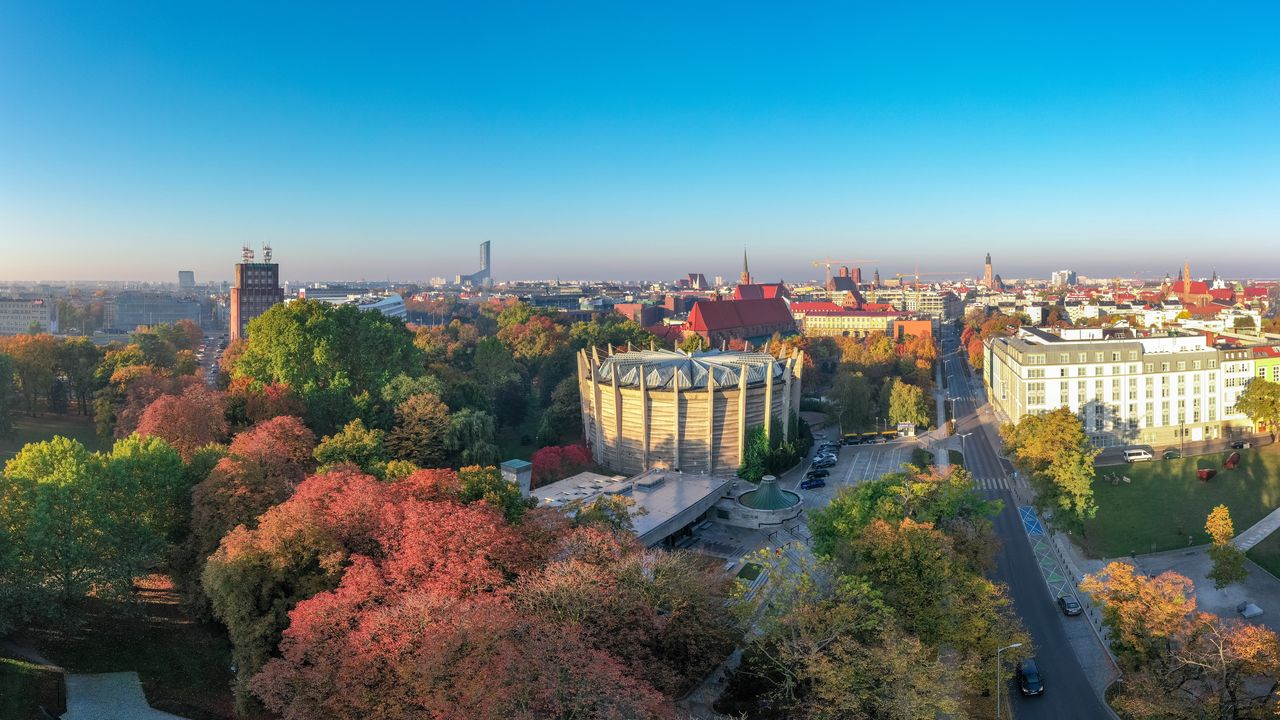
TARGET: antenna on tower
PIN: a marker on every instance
(266, 252)
(246, 254)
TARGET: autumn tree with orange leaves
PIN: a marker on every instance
(1180, 662)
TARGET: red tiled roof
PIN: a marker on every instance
(1270, 351)
(1222, 294)
(1206, 309)
(1255, 292)
(730, 314)
(877, 307)
(760, 291)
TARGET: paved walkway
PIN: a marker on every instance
(1259, 531)
(109, 696)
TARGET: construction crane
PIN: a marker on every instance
(917, 275)
(829, 261)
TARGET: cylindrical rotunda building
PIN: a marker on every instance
(685, 411)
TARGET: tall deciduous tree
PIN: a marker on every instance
(337, 358)
(1261, 402)
(1144, 613)
(75, 521)
(1228, 560)
(1055, 452)
(188, 421)
(355, 444)
(907, 403)
(8, 395)
(421, 432)
(470, 438)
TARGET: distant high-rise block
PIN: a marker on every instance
(256, 289)
(482, 277)
(186, 280)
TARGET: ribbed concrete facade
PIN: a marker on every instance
(687, 412)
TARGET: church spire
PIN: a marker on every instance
(746, 274)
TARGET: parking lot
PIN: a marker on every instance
(857, 464)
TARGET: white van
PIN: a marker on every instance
(1136, 455)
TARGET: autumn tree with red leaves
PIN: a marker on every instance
(188, 421)
(556, 462)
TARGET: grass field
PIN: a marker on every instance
(36, 429)
(184, 665)
(26, 688)
(1164, 503)
(1267, 553)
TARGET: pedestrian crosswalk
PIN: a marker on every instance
(991, 483)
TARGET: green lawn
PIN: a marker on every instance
(28, 429)
(1164, 503)
(1267, 553)
(26, 688)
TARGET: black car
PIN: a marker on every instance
(1069, 605)
(817, 474)
(1241, 445)
(812, 483)
(823, 464)
(1029, 681)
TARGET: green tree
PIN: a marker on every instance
(8, 396)
(1055, 452)
(421, 432)
(486, 483)
(78, 360)
(336, 358)
(1228, 560)
(907, 403)
(355, 444)
(470, 438)
(852, 394)
(76, 521)
(562, 421)
(692, 343)
(1261, 402)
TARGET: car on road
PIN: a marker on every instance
(1241, 445)
(1069, 605)
(810, 484)
(1136, 456)
(817, 474)
(1029, 681)
(1172, 454)
(823, 464)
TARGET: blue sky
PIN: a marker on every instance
(639, 140)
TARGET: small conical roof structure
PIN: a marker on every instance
(768, 496)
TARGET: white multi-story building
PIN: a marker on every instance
(1157, 390)
(22, 315)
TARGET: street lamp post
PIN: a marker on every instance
(962, 437)
(1006, 647)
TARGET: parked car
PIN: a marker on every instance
(826, 455)
(823, 464)
(1029, 681)
(1069, 605)
(1241, 445)
(1136, 456)
(1172, 454)
(817, 474)
(810, 484)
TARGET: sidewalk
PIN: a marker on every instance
(1259, 531)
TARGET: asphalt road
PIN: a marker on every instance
(1068, 694)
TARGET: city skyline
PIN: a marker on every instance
(367, 147)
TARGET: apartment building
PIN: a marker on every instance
(1157, 390)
